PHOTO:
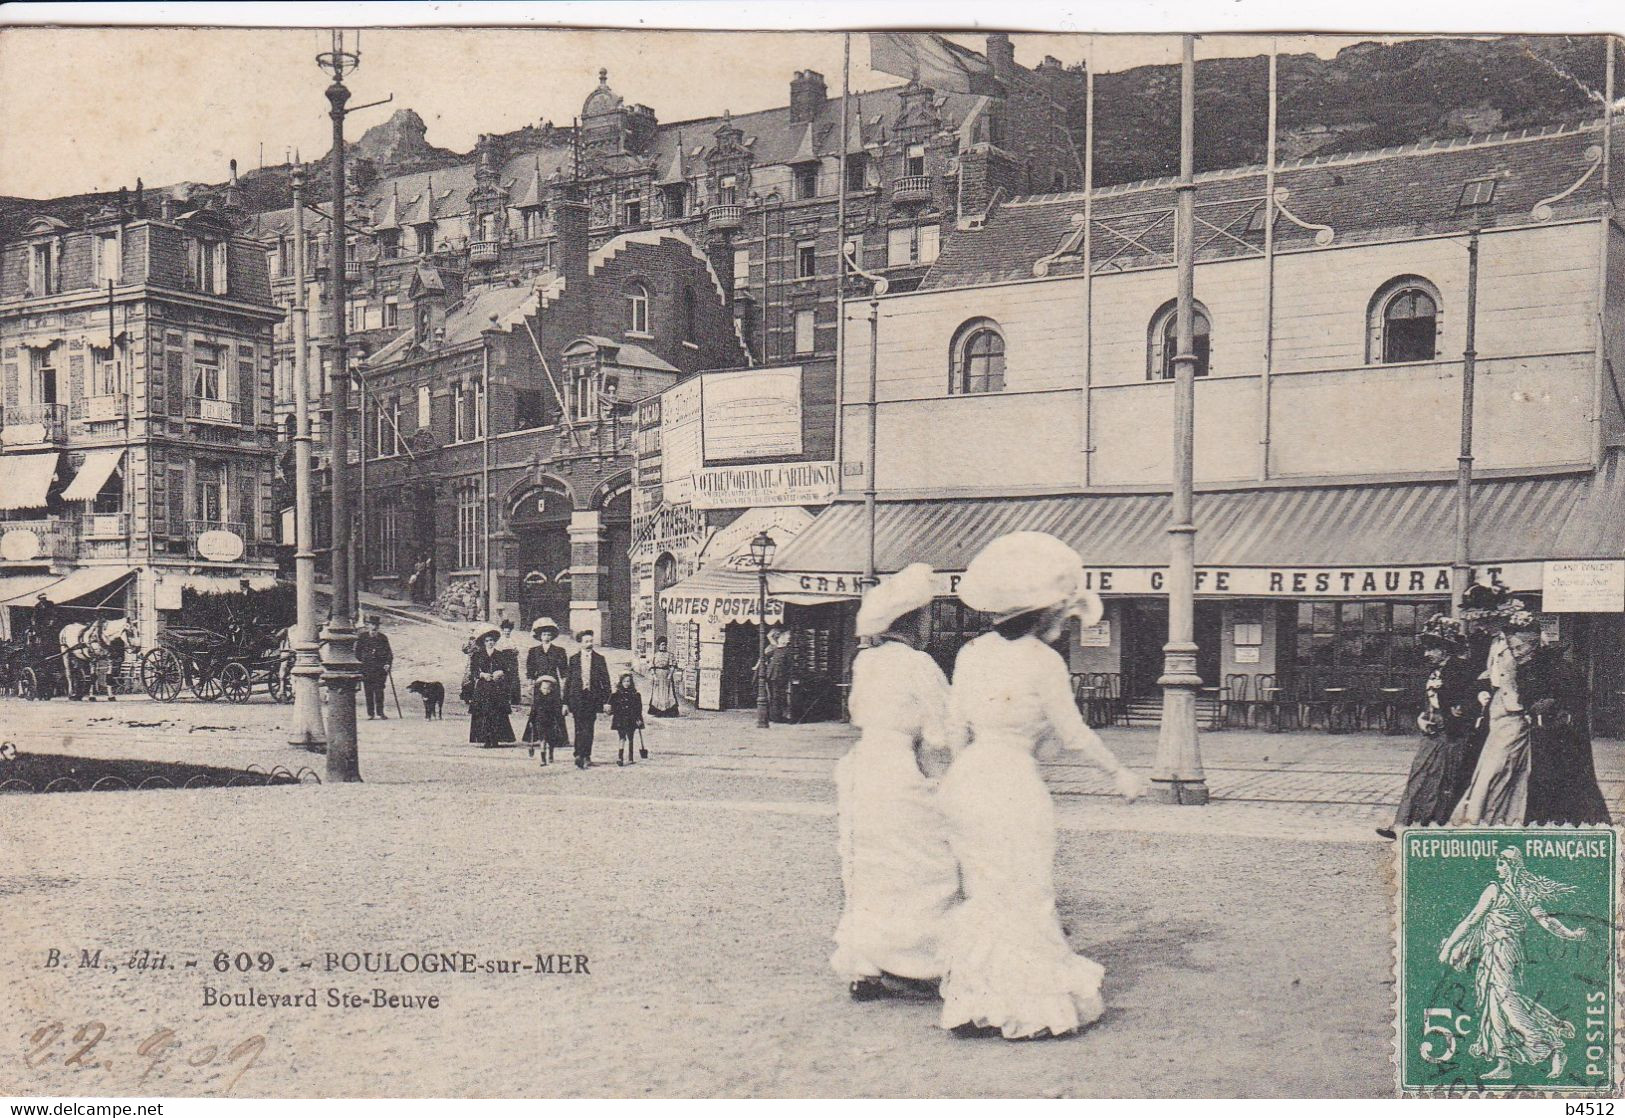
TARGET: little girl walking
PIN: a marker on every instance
(626, 717)
(546, 729)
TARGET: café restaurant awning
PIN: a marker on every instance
(1362, 528)
(25, 479)
(99, 466)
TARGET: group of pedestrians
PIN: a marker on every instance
(947, 832)
(1507, 725)
(557, 683)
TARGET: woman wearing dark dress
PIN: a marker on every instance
(490, 689)
(1449, 752)
(1562, 774)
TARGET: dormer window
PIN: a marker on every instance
(425, 233)
(675, 196)
(389, 243)
(109, 258)
(206, 264)
(806, 181)
(634, 213)
(857, 172)
(42, 273)
(532, 219)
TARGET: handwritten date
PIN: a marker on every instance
(151, 1058)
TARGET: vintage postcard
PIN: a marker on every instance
(883, 561)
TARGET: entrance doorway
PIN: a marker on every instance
(739, 652)
(618, 565)
(540, 521)
(1145, 631)
(665, 578)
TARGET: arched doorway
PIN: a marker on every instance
(540, 521)
(665, 578)
(617, 525)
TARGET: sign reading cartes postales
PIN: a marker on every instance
(1508, 960)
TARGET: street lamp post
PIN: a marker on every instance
(1461, 572)
(308, 731)
(871, 492)
(761, 551)
(342, 672)
(1177, 777)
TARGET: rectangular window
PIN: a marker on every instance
(221, 252)
(395, 440)
(1478, 192)
(206, 372)
(284, 256)
(109, 260)
(106, 376)
(425, 407)
(42, 270)
(912, 245)
(927, 243)
(675, 200)
(459, 412)
(915, 161)
(382, 443)
(392, 312)
(805, 321)
(425, 239)
(527, 409)
(468, 526)
(806, 259)
(479, 407)
(857, 173)
(727, 190)
(806, 181)
(634, 213)
(741, 267)
(211, 492)
(389, 244)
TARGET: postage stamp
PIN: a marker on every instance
(1508, 960)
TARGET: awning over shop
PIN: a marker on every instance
(86, 582)
(99, 466)
(20, 590)
(1403, 530)
(25, 479)
(721, 595)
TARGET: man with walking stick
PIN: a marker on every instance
(375, 656)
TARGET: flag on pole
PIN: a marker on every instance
(932, 60)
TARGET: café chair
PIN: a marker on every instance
(1236, 701)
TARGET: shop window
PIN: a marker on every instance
(1403, 322)
(1163, 347)
(1360, 644)
(978, 358)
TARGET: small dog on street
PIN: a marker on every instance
(434, 697)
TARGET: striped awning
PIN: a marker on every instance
(25, 479)
(92, 476)
(1567, 516)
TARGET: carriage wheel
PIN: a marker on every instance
(28, 684)
(235, 683)
(161, 675)
(281, 686)
(204, 681)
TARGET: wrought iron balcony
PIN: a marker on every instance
(33, 425)
(92, 409)
(25, 541)
(197, 529)
(484, 252)
(912, 188)
(726, 216)
(214, 411)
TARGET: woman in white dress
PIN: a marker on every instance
(1499, 790)
(1008, 965)
(899, 876)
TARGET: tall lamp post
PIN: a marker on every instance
(342, 672)
(761, 551)
(1177, 777)
(308, 731)
(870, 492)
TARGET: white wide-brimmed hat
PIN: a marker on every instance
(544, 623)
(1026, 571)
(480, 632)
(904, 592)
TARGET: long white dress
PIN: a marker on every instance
(1008, 962)
(1499, 790)
(900, 877)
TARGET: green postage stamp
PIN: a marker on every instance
(1508, 960)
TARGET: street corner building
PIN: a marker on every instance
(137, 446)
(1026, 384)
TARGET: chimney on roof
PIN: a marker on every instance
(807, 96)
(571, 248)
(1001, 55)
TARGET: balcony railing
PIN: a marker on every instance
(213, 411)
(484, 252)
(728, 215)
(53, 538)
(112, 405)
(32, 424)
(352, 269)
(195, 530)
(912, 188)
(104, 526)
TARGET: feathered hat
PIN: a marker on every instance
(1026, 571)
(1515, 617)
(1480, 602)
(1441, 631)
(904, 592)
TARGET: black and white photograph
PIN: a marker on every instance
(546, 557)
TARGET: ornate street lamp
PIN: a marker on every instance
(761, 552)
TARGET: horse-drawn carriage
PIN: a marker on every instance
(218, 665)
(82, 660)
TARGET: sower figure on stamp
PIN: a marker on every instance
(898, 874)
(372, 650)
(586, 692)
(1512, 1026)
(1444, 762)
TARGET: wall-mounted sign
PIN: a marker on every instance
(753, 413)
(1098, 635)
(19, 545)
(776, 483)
(1583, 586)
(220, 546)
(680, 439)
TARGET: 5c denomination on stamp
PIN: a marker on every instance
(1508, 960)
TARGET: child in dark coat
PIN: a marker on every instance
(546, 729)
(626, 717)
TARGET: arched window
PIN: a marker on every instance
(978, 358)
(637, 308)
(1403, 322)
(1163, 343)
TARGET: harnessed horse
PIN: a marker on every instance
(93, 647)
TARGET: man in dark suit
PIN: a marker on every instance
(586, 691)
(373, 651)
